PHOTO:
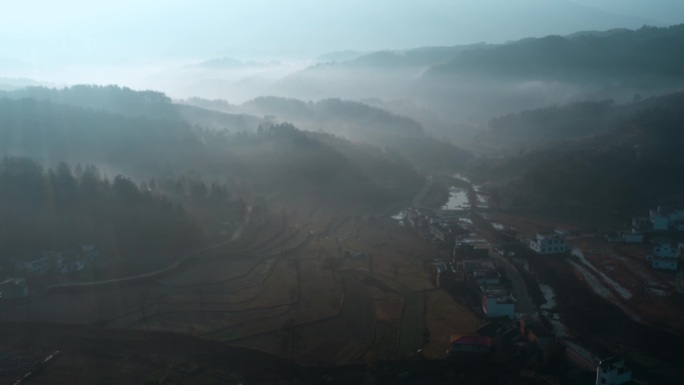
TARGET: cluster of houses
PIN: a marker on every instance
(441, 227)
(662, 219)
(470, 267)
(65, 262)
(529, 343)
(664, 227)
(507, 339)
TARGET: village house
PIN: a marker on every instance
(614, 236)
(41, 264)
(477, 272)
(642, 224)
(664, 218)
(420, 219)
(443, 231)
(486, 275)
(660, 221)
(665, 256)
(549, 243)
(664, 264)
(69, 262)
(442, 274)
(666, 250)
(470, 344)
(535, 332)
(629, 236)
(470, 250)
(13, 288)
(633, 236)
(64, 262)
(497, 302)
(612, 371)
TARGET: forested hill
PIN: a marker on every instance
(527, 130)
(120, 100)
(52, 133)
(362, 123)
(644, 53)
(636, 160)
(471, 84)
(278, 158)
(417, 57)
(132, 103)
(356, 119)
(58, 209)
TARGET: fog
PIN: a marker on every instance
(78, 41)
(421, 54)
(257, 191)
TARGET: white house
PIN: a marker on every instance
(642, 224)
(634, 236)
(64, 262)
(665, 256)
(40, 265)
(551, 243)
(664, 217)
(13, 288)
(666, 250)
(69, 262)
(659, 219)
(486, 275)
(497, 302)
(664, 263)
(612, 371)
(89, 252)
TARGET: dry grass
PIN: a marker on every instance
(444, 317)
(266, 299)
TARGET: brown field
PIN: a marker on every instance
(645, 293)
(294, 289)
(445, 317)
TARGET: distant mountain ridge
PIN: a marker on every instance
(231, 63)
(328, 112)
(648, 51)
(132, 103)
(473, 83)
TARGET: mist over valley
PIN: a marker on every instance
(471, 192)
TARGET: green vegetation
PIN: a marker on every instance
(353, 119)
(58, 209)
(582, 57)
(279, 158)
(634, 158)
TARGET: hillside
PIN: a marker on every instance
(630, 160)
(365, 124)
(474, 83)
(343, 117)
(582, 57)
(58, 208)
(132, 103)
(276, 158)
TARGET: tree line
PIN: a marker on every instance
(62, 208)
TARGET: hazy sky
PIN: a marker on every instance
(85, 32)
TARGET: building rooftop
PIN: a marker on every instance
(497, 292)
(612, 362)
